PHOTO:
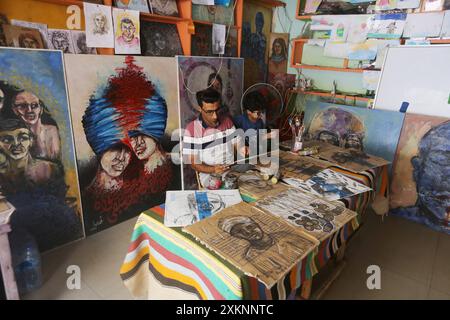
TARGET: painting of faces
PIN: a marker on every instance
(375, 132)
(278, 53)
(197, 74)
(79, 43)
(420, 188)
(22, 37)
(37, 158)
(257, 22)
(59, 39)
(126, 29)
(124, 110)
(160, 39)
(215, 14)
(164, 7)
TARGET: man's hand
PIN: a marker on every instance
(219, 169)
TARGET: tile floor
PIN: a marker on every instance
(414, 262)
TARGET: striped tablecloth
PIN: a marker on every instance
(177, 260)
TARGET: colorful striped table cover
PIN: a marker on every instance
(176, 260)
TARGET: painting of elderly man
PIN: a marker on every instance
(37, 159)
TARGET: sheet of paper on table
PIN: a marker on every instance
(300, 167)
(328, 184)
(187, 207)
(253, 185)
(260, 244)
(315, 215)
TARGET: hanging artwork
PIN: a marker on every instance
(278, 53)
(37, 157)
(183, 208)
(22, 37)
(197, 73)
(422, 25)
(126, 31)
(214, 14)
(60, 39)
(260, 244)
(420, 188)
(318, 217)
(99, 26)
(387, 26)
(160, 39)
(282, 81)
(42, 27)
(352, 127)
(256, 27)
(201, 43)
(124, 111)
(79, 43)
(164, 7)
(139, 5)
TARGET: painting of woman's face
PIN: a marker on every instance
(277, 48)
(143, 146)
(27, 107)
(115, 160)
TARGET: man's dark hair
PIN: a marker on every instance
(208, 95)
(127, 21)
(12, 124)
(254, 101)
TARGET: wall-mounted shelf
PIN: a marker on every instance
(337, 96)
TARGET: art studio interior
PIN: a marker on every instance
(225, 150)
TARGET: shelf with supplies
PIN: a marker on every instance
(346, 97)
(296, 58)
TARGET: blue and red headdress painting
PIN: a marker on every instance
(129, 105)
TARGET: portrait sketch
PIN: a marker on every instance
(123, 113)
(420, 188)
(317, 216)
(99, 26)
(164, 7)
(126, 32)
(23, 37)
(79, 43)
(37, 157)
(183, 208)
(160, 39)
(42, 27)
(258, 243)
(60, 40)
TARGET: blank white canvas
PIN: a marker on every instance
(418, 75)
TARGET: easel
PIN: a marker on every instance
(6, 264)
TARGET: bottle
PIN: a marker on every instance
(27, 263)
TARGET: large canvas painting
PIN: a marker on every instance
(197, 73)
(256, 27)
(420, 188)
(375, 132)
(38, 173)
(124, 110)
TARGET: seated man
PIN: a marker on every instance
(254, 106)
(210, 141)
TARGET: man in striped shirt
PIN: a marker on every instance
(210, 141)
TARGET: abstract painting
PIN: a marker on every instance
(420, 188)
(124, 110)
(375, 132)
(22, 37)
(126, 32)
(38, 171)
(215, 14)
(160, 39)
(258, 243)
(197, 73)
(318, 217)
(164, 7)
(183, 208)
(256, 27)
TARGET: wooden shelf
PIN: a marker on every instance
(439, 41)
(337, 96)
(160, 18)
(305, 66)
(210, 23)
(65, 2)
(270, 3)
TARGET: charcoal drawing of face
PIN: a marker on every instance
(100, 24)
(60, 41)
(338, 127)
